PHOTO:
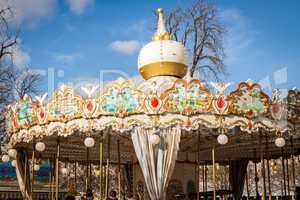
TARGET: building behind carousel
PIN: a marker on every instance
(165, 136)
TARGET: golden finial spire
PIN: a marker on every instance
(161, 33)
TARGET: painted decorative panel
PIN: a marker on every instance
(249, 100)
(121, 99)
(187, 98)
(64, 105)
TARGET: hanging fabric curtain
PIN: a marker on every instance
(157, 154)
(237, 175)
(22, 176)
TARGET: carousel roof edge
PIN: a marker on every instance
(122, 99)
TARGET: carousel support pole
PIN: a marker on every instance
(195, 174)
(56, 172)
(25, 172)
(104, 178)
(90, 174)
(32, 168)
(228, 174)
(90, 177)
(214, 171)
(119, 170)
(283, 172)
(262, 168)
(288, 176)
(255, 176)
(206, 180)
(50, 178)
(293, 164)
(203, 178)
(107, 167)
(268, 169)
(100, 166)
(68, 174)
(247, 184)
(198, 169)
(87, 170)
(226, 180)
(281, 189)
(75, 175)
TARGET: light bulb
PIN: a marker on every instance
(12, 153)
(280, 142)
(89, 142)
(5, 158)
(64, 170)
(36, 167)
(222, 139)
(13, 163)
(40, 146)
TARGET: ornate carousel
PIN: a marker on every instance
(159, 135)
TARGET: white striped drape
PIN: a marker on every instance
(157, 161)
(20, 172)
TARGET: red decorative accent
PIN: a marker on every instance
(275, 108)
(189, 123)
(220, 102)
(42, 114)
(250, 125)
(89, 106)
(250, 113)
(154, 102)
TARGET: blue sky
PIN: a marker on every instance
(76, 39)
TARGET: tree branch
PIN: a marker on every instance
(201, 32)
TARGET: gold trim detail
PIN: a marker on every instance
(163, 69)
(165, 36)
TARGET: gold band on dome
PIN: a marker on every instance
(163, 69)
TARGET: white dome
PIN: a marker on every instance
(163, 56)
(162, 51)
(160, 55)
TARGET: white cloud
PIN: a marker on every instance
(66, 58)
(21, 58)
(29, 11)
(125, 46)
(79, 6)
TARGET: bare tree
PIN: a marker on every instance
(14, 82)
(200, 30)
(8, 35)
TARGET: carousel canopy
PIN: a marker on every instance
(165, 99)
(242, 114)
